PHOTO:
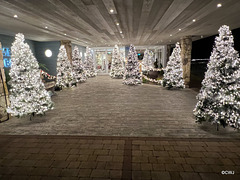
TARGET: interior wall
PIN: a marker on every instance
(50, 62)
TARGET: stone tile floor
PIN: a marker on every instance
(102, 158)
(103, 129)
(105, 107)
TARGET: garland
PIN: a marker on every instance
(45, 74)
(152, 80)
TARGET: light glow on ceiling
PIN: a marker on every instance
(194, 20)
(117, 24)
(219, 5)
(15, 16)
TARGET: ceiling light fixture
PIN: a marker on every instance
(117, 24)
(219, 5)
(46, 27)
(194, 20)
(65, 34)
(179, 29)
(120, 32)
(48, 53)
(111, 10)
(170, 34)
(15, 16)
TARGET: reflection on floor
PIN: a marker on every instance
(105, 107)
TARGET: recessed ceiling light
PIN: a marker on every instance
(117, 24)
(170, 34)
(16, 16)
(120, 32)
(194, 20)
(219, 5)
(111, 10)
(46, 27)
(202, 36)
(65, 34)
(179, 29)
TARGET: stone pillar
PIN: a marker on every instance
(186, 49)
(4, 101)
(68, 46)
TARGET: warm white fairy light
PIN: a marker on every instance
(64, 70)
(89, 64)
(79, 71)
(132, 75)
(117, 64)
(152, 80)
(27, 94)
(173, 75)
(219, 97)
(147, 62)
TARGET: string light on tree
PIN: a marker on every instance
(64, 70)
(147, 62)
(132, 75)
(117, 64)
(219, 97)
(78, 68)
(27, 94)
(89, 64)
(173, 74)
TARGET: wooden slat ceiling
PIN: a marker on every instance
(142, 22)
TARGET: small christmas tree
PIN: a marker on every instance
(147, 61)
(65, 76)
(117, 65)
(28, 95)
(132, 75)
(78, 68)
(219, 97)
(89, 65)
(173, 74)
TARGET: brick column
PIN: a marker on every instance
(68, 46)
(4, 101)
(186, 49)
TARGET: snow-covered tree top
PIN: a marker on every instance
(19, 37)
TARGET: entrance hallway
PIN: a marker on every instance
(105, 107)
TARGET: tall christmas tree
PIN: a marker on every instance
(89, 64)
(78, 69)
(173, 74)
(147, 61)
(219, 97)
(28, 95)
(65, 76)
(117, 65)
(132, 75)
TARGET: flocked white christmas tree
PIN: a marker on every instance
(147, 61)
(117, 64)
(27, 94)
(173, 74)
(132, 75)
(78, 68)
(219, 97)
(65, 76)
(89, 64)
